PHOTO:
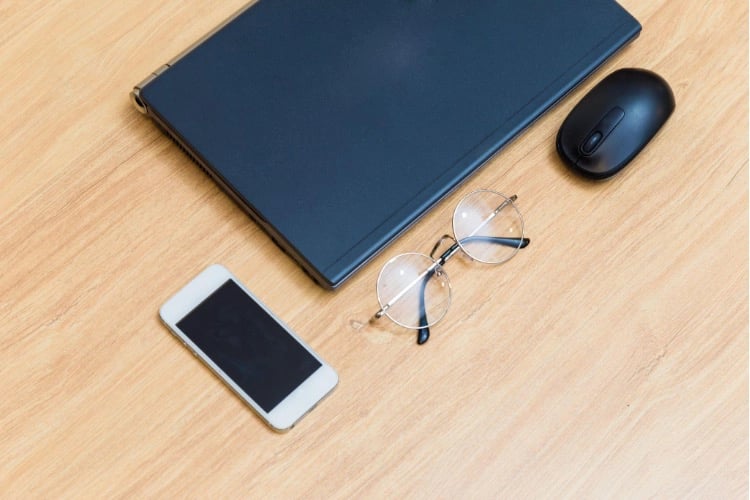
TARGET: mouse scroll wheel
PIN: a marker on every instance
(590, 144)
(602, 129)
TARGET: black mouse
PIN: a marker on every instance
(614, 121)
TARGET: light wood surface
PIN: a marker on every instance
(609, 358)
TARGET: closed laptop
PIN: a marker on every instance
(336, 124)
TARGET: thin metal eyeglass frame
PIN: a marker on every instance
(423, 332)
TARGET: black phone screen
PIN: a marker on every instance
(251, 347)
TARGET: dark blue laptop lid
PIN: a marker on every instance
(337, 123)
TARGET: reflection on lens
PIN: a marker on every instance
(488, 226)
(413, 290)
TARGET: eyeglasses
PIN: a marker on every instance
(413, 289)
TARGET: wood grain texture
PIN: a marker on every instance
(610, 358)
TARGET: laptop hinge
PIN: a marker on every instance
(135, 94)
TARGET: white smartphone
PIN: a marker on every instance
(249, 348)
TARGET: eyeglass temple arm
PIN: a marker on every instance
(423, 334)
(500, 240)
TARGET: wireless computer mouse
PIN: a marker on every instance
(614, 121)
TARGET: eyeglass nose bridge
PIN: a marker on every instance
(439, 243)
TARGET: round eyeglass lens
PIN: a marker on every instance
(488, 226)
(413, 290)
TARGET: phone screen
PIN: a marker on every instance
(250, 346)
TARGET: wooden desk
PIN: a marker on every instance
(608, 358)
